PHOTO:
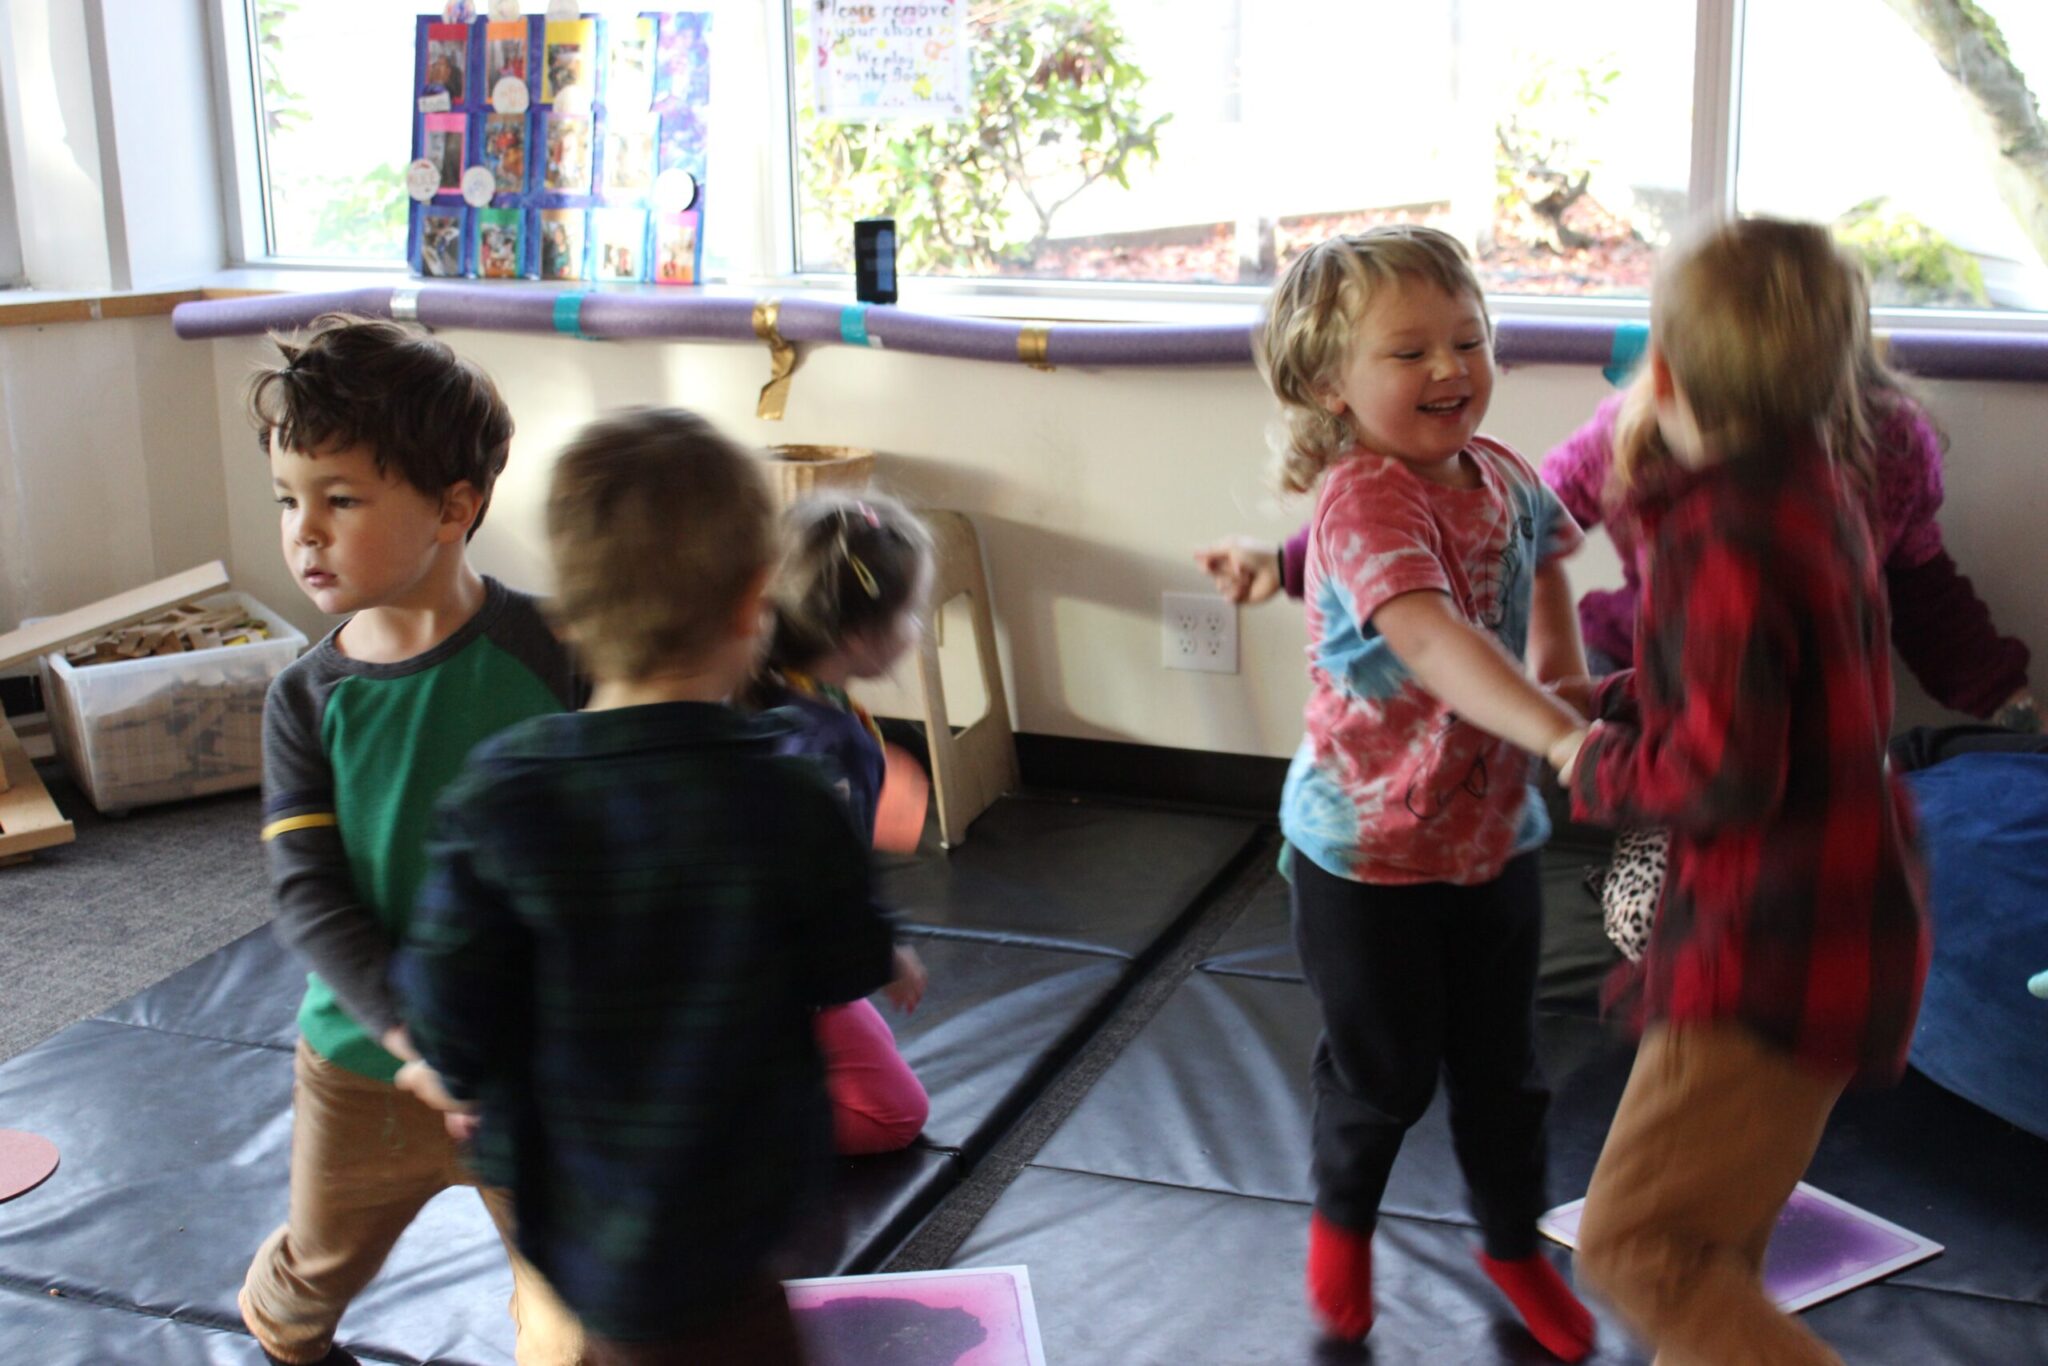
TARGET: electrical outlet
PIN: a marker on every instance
(1198, 631)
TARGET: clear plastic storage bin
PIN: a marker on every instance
(135, 732)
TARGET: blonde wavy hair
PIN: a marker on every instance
(1765, 325)
(1313, 313)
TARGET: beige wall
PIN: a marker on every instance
(124, 455)
(1089, 490)
(110, 461)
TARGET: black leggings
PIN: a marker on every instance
(1412, 981)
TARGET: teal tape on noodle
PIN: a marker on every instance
(853, 325)
(569, 313)
(1630, 341)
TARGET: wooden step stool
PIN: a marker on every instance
(969, 770)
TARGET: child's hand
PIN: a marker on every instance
(1564, 754)
(1576, 693)
(906, 988)
(461, 1127)
(423, 1084)
(398, 1043)
(1244, 570)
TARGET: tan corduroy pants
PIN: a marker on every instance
(365, 1158)
(1714, 1130)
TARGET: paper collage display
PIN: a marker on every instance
(560, 149)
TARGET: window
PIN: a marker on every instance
(1919, 170)
(1209, 141)
(333, 130)
(1205, 142)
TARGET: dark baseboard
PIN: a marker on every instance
(1234, 782)
(1112, 768)
(1246, 783)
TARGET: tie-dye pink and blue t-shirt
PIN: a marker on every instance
(1389, 785)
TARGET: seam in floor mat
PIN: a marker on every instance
(236, 1329)
(188, 1034)
(1010, 940)
(1156, 974)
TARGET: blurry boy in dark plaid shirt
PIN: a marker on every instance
(633, 912)
(1791, 941)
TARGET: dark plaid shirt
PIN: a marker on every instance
(1754, 727)
(628, 920)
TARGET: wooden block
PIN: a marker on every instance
(111, 613)
(29, 820)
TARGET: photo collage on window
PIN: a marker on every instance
(561, 149)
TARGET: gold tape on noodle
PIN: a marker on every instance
(782, 361)
(1034, 340)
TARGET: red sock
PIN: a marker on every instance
(1340, 1278)
(1547, 1305)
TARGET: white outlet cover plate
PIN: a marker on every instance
(1197, 632)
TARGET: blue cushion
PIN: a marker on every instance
(1981, 1034)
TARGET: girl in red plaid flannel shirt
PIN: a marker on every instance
(1791, 940)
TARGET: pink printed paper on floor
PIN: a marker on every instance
(1822, 1247)
(981, 1316)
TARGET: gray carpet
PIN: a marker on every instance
(130, 901)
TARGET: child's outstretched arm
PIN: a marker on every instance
(1245, 570)
(1468, 671)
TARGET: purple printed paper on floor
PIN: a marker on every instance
(1822, 1247)
(971, 1317)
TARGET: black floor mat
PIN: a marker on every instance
(171, 1108)
(994, 1016)
(1094, 877)
(995, 1019)
(40, 1329)
(1150, 1275)
(1202, 1123)
(1213, 1094)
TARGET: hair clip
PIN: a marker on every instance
(865, 575)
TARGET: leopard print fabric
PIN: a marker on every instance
(1631, 887)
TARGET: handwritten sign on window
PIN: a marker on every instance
(885, 60)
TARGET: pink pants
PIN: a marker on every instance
(878, 1104)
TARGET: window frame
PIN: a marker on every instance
(764, 242)
(13, 272)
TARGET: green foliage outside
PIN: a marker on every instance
(1058, 107)
(1910, 263)
(1540, 167)
(362, 215)
(281, 104)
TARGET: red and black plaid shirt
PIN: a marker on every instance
(1754, 728)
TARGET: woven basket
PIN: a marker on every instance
(794, 471)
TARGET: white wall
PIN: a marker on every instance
(110, 462)
(1089, 489)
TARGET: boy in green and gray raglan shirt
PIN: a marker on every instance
(383, 449)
